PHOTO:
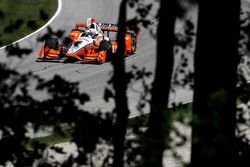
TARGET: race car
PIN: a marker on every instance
(89, 42)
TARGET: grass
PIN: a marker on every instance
(52, 139)
(20, 18)
(181, 113)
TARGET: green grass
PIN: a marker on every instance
(180, 113)
(22, 17)
(52, 139)
(49, 140)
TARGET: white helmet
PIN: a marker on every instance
(91, 32)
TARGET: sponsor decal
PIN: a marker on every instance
(107, 25)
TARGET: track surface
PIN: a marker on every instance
(92, 78)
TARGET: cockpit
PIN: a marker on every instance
(87, 33)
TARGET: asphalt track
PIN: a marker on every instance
(92, 78)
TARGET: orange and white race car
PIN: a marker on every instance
(90, 42)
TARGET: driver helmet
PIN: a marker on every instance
(91, 32)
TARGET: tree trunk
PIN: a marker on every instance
(120, 87)
(159, 122)
(216, 59)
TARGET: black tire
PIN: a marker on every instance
(51, 43)
(133, 44)
(106, 45)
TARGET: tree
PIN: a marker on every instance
(120, 86)
(159, 122)
(216, 60)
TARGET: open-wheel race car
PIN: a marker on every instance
(89, 42)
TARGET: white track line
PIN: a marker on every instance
(59, 8)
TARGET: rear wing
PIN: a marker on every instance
(108, 27)
(103, 26)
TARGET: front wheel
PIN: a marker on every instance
(52, 43)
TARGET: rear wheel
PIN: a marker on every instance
(133, 44)
(106, 46)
